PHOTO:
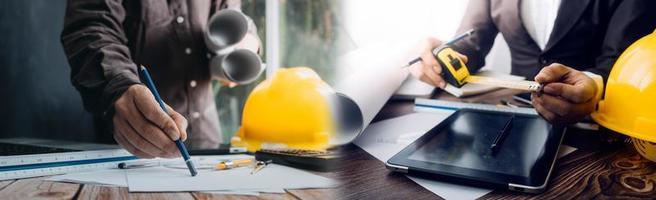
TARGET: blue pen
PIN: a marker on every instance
(181, 146)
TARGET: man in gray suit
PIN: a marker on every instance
(568, 45)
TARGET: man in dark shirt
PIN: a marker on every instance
(106, 41)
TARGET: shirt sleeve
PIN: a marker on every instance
(478, 45)
(631, 21)
(95, 45)
(599, 83)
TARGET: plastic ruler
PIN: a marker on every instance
(24, 166)
(441, 106)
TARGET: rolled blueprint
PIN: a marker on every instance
(224, 31)
(241, 66)
(367, 78)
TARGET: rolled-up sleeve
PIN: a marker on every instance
(97, 52)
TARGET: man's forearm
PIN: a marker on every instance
(95, 45)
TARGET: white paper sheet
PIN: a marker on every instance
(163, 179)
(108, 177)
(386, 138)
(413, 88)
(368, 77)
(174, 171)
(116, 177)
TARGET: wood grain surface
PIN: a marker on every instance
(595, 171)
(603, 174)
(38, 188)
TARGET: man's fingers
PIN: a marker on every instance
(434, 78)
(573, 93)
(181, 122)
(128, 147)
(147, 129)
(417, 70)
(139, 143)
(146, 104)
(552, 73)
(546, 114)
(425, 79)
(555, 105)
(429, 69)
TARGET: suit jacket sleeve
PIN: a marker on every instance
(478, 45)
(631, 20)
(96, 47)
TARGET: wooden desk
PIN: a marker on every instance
(595, 170)
(37, 188)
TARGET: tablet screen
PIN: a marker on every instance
(465, 143)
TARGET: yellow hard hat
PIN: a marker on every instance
(291, 109)
(629, 105)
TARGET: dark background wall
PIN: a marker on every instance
(36, 96)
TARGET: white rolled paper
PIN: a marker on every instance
(225, 29)
(241, 66)
(367, 78)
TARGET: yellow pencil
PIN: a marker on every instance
(229, 164)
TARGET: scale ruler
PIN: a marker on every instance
(24, 166)
(530, 86)
(441, 106)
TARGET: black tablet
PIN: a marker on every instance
(459, 150)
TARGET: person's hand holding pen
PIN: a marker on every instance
(143, 128)
(429, 70)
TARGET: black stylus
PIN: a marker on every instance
(503, 133)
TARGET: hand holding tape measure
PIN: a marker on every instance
(456, 73)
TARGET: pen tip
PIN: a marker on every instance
(141, 67)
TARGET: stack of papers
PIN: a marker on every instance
(168, 177)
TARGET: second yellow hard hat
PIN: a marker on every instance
(629, 104)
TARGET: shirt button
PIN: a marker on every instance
(180, 19)
(195, 115)
(188, 50)
(192, 83)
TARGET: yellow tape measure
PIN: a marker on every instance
(455, 72)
